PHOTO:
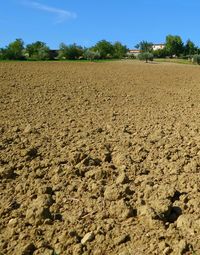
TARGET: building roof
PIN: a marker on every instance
(134, 50)
(159, 44)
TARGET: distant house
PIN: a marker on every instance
(133, 52)
(158, 46)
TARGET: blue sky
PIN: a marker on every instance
(88, 21)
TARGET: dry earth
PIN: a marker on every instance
(99, 158)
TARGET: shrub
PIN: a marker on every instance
(184, 57)
(160, 53)
(91, 55)
(196, 59)
(131, 56)
(71, 52)
(147, 56)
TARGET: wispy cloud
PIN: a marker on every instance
(61, 14)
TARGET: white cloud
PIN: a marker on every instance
(61, 14)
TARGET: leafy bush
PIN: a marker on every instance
(196, 59)
(71, 52)
(184, 57)
(160, 53)
(147, 56)
(37, 51)
(131, 56)
(91, 55)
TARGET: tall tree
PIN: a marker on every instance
(190, 48)
(145, 50)
(38, 51)
(174, 45)
(15, 50)
(62, 51)
(119, 50)
(105, 49)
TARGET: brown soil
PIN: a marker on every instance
(99, 158)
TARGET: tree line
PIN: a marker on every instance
(40, 51)
(173, 47)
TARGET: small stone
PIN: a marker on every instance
(111, 193)
(27, 129)
(12, 222)
(87, 238)
(48, 221)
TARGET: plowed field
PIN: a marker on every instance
(99, 158)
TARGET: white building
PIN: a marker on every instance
(135, 52)
(158, 46)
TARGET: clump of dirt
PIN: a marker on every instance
(99, 158)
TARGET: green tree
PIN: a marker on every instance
(119, 50)
(189, 48)
(72, 51)
(3, 54)
(174, 45)
(196, 59)
(160, 53)
(105, 49)
(38, 51)
(15, 50)
(62, 53)
(147, 56)
(145, 46)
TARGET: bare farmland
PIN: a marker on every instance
(99, 158)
